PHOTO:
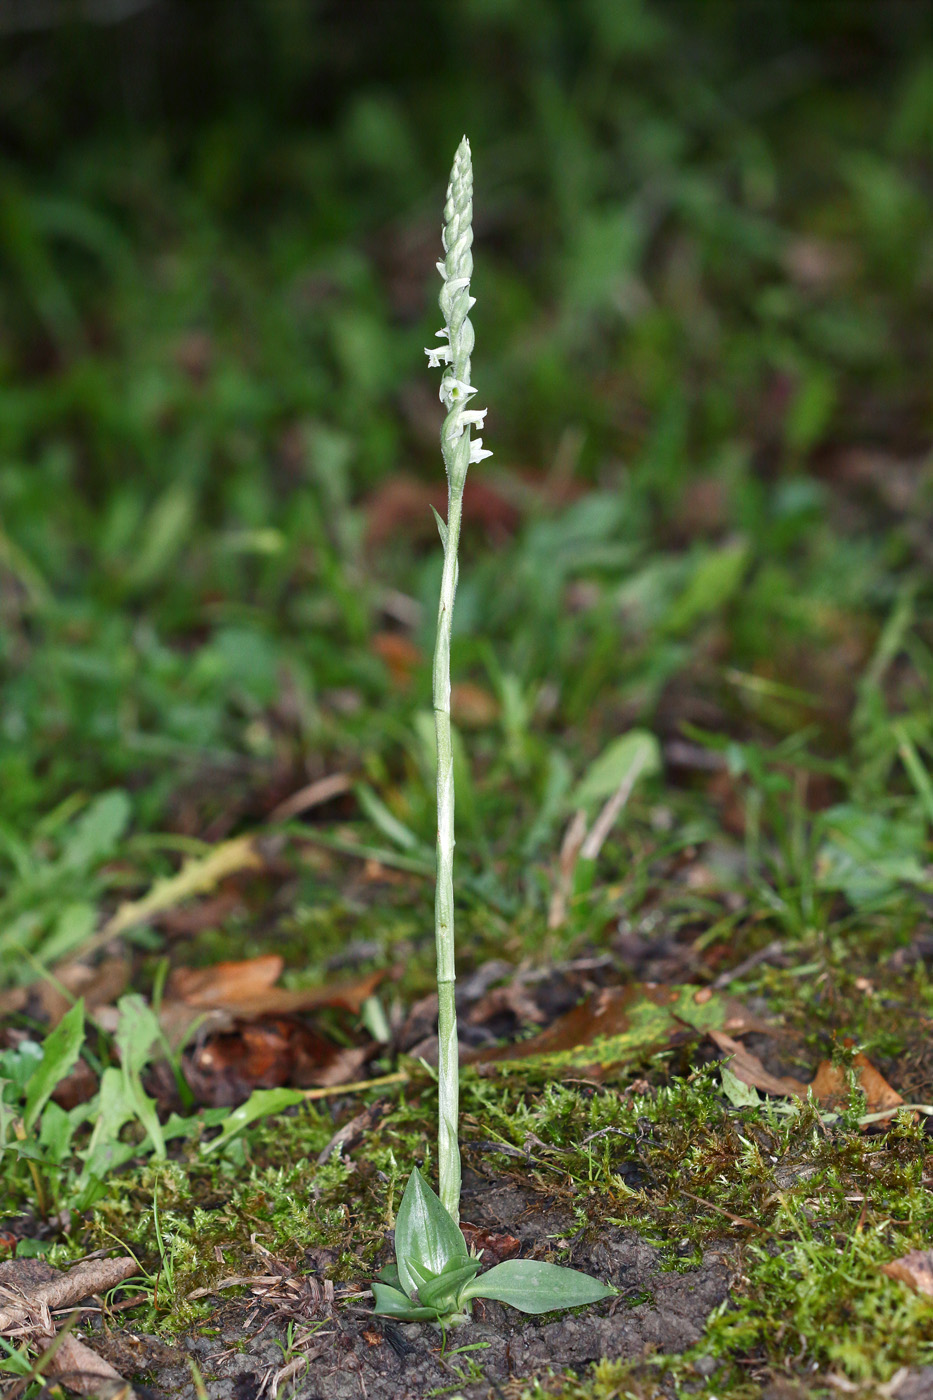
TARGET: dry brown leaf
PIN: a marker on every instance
(247, 989)
(829, 1086)
(914, 1269)
(400, 655)
(23, 1296)
(471, 706)
(492, 1247)
(514, 999)
(269, 1054)
(224, 984)
(314, 795)
(624, 1023)
(749, 1069)
(99, 986)
(83, 1371)
(57, 990)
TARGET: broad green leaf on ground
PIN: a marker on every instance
(533, 1286)
(636, 752)
(95, 834)
(60, 1052)
(619, 1026)
(391, 1302)
(739, 1094)
(716, 578)
(105, 1152)
(425, 1233)
(137, 1032)
(869, 855)
(260, 1104)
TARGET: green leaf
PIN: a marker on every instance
(97, 831)
(389, 1274)
(56, 1132)
(425, 1234)
(260, 1104)
(387, 822)
(637, 750)
(59, 1053)
(441, 1293)
(535, 1287)
(137, 1031)
(739, 1094)
(441, 527)
(390, 1302)
(716, 578)
(870, 854)
(105, 1152)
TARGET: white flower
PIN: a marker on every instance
(478, 451)
(460, 418)
(438, 355)
(454, 390)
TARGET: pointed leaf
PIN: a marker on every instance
(389, 1274)
(425, 1233)
(441, 527)
(59, 1055)
(392, 1303)
(536, 1287)
(442, 1292)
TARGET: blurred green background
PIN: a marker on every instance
(704, 271)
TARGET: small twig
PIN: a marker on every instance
(733, 974)
(314, 795)
(720, 1210)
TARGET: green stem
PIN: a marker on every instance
(448, 1066)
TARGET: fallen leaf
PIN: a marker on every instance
(314, 795)
(514, 999)
(269, 1054)
(471, 706)
(830, 1084)
(914, 1269)
(400, 655)
(99, 985)
(79, 1086)
(83, 1371)
(26, 1297)
(617, 1025)
(749, 1070)
(216, 996)
(491, 1247)
(224, 984)
(350, 1136)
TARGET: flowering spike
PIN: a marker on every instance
(456, 303)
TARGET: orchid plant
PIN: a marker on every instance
(435, 1276)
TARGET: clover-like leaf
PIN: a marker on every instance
(391, 1302)
(425, 1234)
(535, 1287)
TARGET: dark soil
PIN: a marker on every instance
(353, 1354)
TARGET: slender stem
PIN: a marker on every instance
(448, 1066)
(459, 452)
